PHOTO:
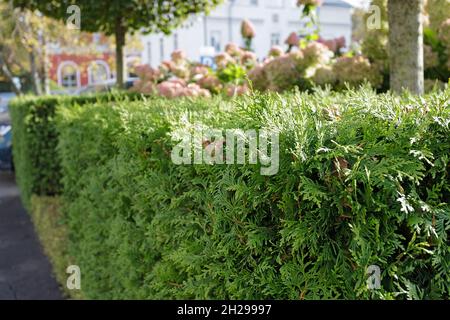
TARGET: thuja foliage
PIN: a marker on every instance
(363, 180)
(35, 139)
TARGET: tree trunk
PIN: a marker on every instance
(35, 74)
(120, 43)
(7, 73)
(45, 66)
(406, 45)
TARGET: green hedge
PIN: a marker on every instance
(363, 180)
(35, 139)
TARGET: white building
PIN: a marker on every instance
(273, 20)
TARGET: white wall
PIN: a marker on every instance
(334, 17)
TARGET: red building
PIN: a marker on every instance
(71, 71)
(90, 62)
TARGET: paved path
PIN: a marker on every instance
(25, 272)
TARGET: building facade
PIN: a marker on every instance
(273, 20)
(91, 61)
(70, 70)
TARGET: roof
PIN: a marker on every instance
(349, 3)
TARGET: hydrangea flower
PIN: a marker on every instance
(233, 50)
(316, 3)
(248, 58)
(210, 82)
(283, 73)
(324, 75)
(275, 51)
(292, 40)
(178, 56)
(356, 70)
(194, 90)
(258, 77)
(198, 71)
(177, 88)
(316, 53)
(147, 73)
(334, 45)
(223, 59)
(247, 29)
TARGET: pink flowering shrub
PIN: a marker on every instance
(248, 33)
(211, 83)
(233, 65)
(316, 53)
(282, 72)
(233, 50)
(275, 51)
(317, 63)
(334, 45)
(287, 70)
(258, 77)
(325, 75)
(247, 29)
(223, 59)
(177, 77)
(237, 70)
(354, 71)
(178, 88)
(292, 41)
(235, 55)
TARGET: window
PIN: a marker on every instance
(149, 52)
(98, 72)
(275, 18)
(68, 75)
(69, 79)
(275, 3)
(175, 41)
(216, 40)
(161, 49)
(274, 39)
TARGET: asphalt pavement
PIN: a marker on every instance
(25, 272)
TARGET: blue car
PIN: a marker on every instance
(6, 162)
(5, 147)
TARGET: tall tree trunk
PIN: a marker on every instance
(406, 45)
(45, 66)
(120, 43)
(36, 80)
(7, 73)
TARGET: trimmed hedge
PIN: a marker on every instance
(48, 221)
(35, 139)
(363, 180)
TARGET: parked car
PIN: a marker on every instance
(103, 87)
(5, 147)
(6, 161)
